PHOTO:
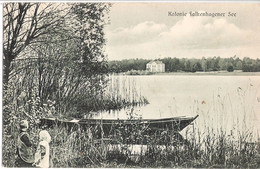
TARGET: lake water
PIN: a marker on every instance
(227, 102)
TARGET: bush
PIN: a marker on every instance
(139, 72)
(230, 68)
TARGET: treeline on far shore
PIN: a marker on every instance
(189, 65)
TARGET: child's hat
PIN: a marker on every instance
(44, 135)
(24, 125)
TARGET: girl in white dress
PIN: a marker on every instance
(42, 155)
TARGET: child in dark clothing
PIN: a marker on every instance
(24, 147)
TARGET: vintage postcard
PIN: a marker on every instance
(131, 84)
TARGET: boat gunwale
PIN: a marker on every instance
(125, 121)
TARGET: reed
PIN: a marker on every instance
(204, 145)
(210, 148)
(122, 92)
(79, 147)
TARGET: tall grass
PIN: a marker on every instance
(122, 92)
(205, 145)
(18, 105)
(130, 146)
(80, 149)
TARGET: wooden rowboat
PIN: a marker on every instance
(104, 128)
(175, 123)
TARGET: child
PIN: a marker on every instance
(42, 154)
(24, 147)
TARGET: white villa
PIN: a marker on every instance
(155, 66)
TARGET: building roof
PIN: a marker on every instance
(155, 61)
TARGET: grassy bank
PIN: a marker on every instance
(217, 73)
(79, 148)
(27, 105)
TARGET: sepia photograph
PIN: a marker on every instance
(108, 84)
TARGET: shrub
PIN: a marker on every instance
(230, 68)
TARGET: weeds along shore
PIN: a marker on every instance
(22, 101)
(79, 148)
(203, 146)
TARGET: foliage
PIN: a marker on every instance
(23, 24)
(188, 65)
(66, 65)
(127, 65)
(136, 72)
(50, 69)
(19, 106)
(87, 26)
(250, 65)
(230, 69)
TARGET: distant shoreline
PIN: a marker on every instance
(215, 73)
(212, 73)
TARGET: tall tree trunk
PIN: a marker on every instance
(6, 71)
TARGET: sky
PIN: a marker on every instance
(147, 31)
